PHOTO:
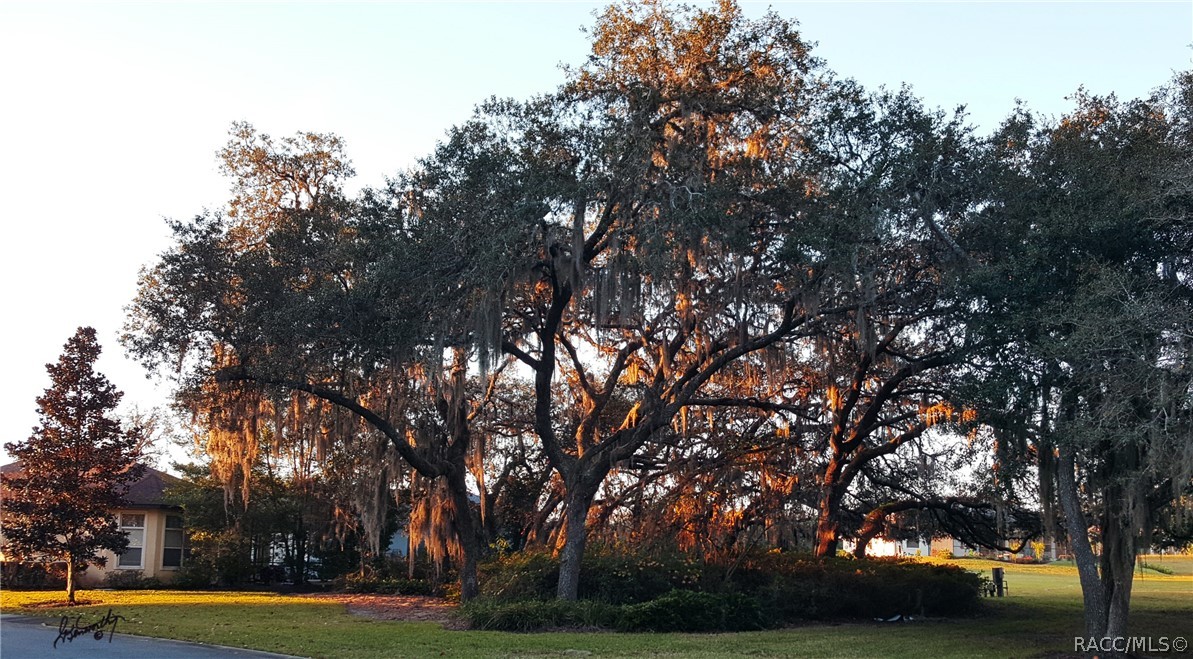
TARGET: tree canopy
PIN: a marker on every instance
(706, 290)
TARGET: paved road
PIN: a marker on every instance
(29, 638)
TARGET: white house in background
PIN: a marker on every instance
(882, 547)
(953, 546)
(154, 528)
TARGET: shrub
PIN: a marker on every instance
(354, 583)
(194, 576)
(943, 553)
(690, 611)
(676, 611)
(520, 576)
(32, 576)
(629, 579)
(222, 555)
(1037, 549)
(794, 587)
(270, 574)
(130, 580)
(536, 615)
(605, 576)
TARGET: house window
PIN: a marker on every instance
(172, 546)
(134, 527)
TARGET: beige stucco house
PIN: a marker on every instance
(154, 529)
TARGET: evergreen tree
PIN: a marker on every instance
(75, 469)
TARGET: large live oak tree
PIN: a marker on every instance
(1086, 287)
(75, 469)
(303, 290)
(899, 183)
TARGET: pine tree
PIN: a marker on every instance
(75, 469)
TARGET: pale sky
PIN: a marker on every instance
(112, 113)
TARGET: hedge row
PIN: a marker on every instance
(677, 593)
(354, 583)
(676, 611)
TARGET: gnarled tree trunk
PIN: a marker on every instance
(827, 522)
(575, 532)
(467, 533)
(1118, 561)
(1092, 594)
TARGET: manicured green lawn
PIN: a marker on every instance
(1041, 617)
(1178, 563)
